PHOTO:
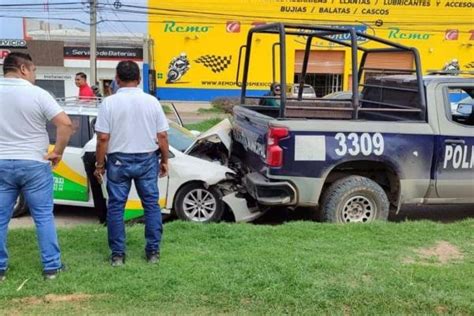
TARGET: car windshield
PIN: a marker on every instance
(179, 137)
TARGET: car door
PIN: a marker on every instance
(70, 179)
(455, 145)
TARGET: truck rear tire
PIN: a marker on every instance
(354, 199)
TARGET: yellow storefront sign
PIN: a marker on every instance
(208, 35)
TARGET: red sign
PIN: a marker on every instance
(233, 27)
(451, 35)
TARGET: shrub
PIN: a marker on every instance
(225, 104)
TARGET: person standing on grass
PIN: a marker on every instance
(85, 91)
(131, 126)
(25, 165)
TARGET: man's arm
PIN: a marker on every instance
(101, 150)
(163, 143)
(64, 131)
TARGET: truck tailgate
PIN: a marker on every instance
(250, 137)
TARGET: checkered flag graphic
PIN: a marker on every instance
(470, 65)
(214, 63)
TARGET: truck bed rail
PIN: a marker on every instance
(371, 92)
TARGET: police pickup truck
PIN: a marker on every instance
(399, 138)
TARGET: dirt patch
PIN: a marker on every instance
(347, 310)
(443, 252)
(441, 309)
(55, 298)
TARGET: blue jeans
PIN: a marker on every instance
(35, 180)
(143, 169)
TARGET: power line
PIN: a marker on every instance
(36, 4)
(42, 17)
(235, 15)
(115, 13)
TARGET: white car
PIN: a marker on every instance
(308, 91)
(199, 187)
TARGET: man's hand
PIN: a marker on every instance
(99, 173)
(54, 157)
(164, 169)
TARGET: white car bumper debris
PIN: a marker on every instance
(239, 208)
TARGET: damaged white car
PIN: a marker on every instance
(200, 186)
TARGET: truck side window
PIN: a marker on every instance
(461, 105)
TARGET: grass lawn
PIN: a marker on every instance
(204, 125)
(297, 268)
(210, 110)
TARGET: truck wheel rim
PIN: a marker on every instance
(199, 205)
(359, 209)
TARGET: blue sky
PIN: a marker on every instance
(11, 22)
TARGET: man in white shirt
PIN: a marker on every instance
(130, 127)
(25, 164)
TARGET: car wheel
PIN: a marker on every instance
(20, 208)
(355, 199)
(196, 203)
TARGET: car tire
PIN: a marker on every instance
(20, 208)
(196, 203)
(354, 199)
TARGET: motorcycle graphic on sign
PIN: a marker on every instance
(177, 68)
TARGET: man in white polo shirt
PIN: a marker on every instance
(131, 126)
(25, 165)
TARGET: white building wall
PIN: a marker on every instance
(105, 71)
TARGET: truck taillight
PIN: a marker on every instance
(274, 151)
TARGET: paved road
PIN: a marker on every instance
(72, 216)
(64, 216)
(189, 112)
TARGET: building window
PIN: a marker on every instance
(54, 87)
(325, 70)
(323, 84)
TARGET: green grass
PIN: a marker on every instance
(211, 110)
(204, 125)
(295, 268)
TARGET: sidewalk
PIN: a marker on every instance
(189, 111)
(64, 216)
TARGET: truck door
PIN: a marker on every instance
(455, 145)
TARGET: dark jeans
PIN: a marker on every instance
(99, 200)
(143, 169)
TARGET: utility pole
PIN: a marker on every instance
(93, 34)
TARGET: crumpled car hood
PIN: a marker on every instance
(218, 133)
